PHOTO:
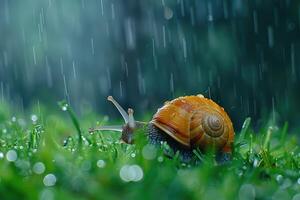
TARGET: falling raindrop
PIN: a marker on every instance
(34, 55)
(255, 23)
(130, 33)
(172, 83)
(184, 48)
(210, 14)
(164, 36)
(92, 46)
(270, 36)
(113, 15)
(102, 9)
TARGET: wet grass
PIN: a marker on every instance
(48, 155)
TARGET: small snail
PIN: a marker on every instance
(185, 123)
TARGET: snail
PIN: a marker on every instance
(185, 123)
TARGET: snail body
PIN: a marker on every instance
(185, 123)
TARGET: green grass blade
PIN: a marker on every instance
(245, 128)
(65, 107)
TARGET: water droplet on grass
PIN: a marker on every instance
(1, 155)
(49, 180)
(65, 107)
(255, 163)
(160, 159)
(138, 173)
(11, 156)
(279, 178)
(101, 163)
(39, 168)
(131, 173)
(34, 118)
(133, 155)
(125, 174)
(13, 119)
(4, 131)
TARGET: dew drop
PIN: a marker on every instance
(131, 173)
(279, 178)
(39, 168)
(160, 159)
(101, 163)
(133, 155)
(11, 156)
(13, 119)
(49, 180)
(298, 181)
(255, 163)
(65, 107)
(34, 118)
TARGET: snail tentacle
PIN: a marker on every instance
(120, 109)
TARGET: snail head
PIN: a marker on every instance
(127, 129)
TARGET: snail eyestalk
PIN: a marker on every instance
(118, 128)
(131, 121)
(127, 129)
(120, 109)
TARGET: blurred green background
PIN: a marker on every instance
(242, 54)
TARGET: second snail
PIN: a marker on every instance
(185, 124)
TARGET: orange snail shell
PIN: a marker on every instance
(196, 121)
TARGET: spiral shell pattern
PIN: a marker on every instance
(195, 121)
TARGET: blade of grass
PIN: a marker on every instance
(245, 128)
(65, 107)
(284, 132)
(266, 143)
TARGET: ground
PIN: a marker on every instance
(42, 157)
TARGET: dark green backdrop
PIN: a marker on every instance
(243, 54)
